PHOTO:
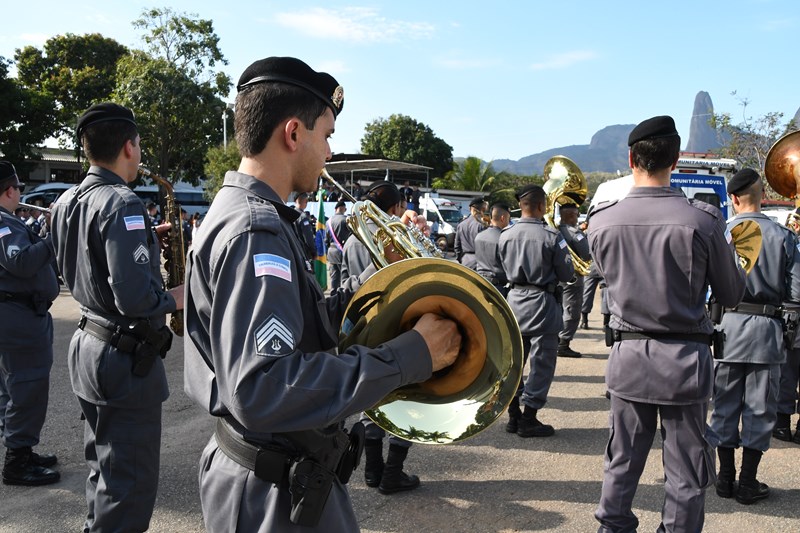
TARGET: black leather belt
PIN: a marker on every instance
(26, 299)
(551, 287)
(773, 311)
(702, 338)
(269, 464)
(124, 342)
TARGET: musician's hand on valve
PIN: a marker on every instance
(177, 294)
(162, 232)
(442, 337)
(411, 217)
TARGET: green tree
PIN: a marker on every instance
(25, 117)
(218, 162)
(174, 93)
(471, 174)
(402, 138)
(74, 71)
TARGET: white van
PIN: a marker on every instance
(190, 198)
(443, 215)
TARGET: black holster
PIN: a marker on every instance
(718, 343)
(715, 311)
(152, 343)
(558, 292)
(791, 320)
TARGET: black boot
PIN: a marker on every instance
(514, 414)
(394, 479)
(565, 351)
(373, 467)
(727, 472)
(19, 469)
(796, 438)
(782, 429)
(750, 489)
(43, 459)
(529, 425)
(584, 320)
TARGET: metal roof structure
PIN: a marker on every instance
(372, 168)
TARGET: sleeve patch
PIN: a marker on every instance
(5, 230)
(562, 243)
(728, 236)
(272, 265)
(141, 255)
(135, 222)
(273, 338)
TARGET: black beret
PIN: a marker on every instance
(7, 171)
(526, 190)
(501, 205)
(569, 205)
(340, 204)
(384, 194)
(102, 113)
(293, 71)
(742, 180)
(653, 128)
(475, 202)
(151, 204)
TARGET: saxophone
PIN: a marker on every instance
(174, 258)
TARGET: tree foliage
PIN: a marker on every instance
(471, 174)
(25, 117)
(218, 162)
(402, 138)
(72, 71)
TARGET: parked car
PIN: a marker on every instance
(45, 193)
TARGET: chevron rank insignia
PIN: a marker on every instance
(273, 338)
(140, 255)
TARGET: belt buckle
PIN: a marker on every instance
(82, 322)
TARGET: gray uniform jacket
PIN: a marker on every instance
(774, 279)
(26, 271)
(307, 234)
(533, 253)
(658, 252)
(487, 256)
(464, 245)
(260, 341)
(576, 240)
(337, 223)
(109, 258)
(356, 257)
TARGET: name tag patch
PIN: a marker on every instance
(141, 255)
(134, 222)
(272, 265)
(273, 338)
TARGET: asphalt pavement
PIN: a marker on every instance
(494, 482)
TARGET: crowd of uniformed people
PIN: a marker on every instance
(260, 331)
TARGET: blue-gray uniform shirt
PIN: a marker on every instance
(576, 240)
(487, 255)
(774, 279)
(464, 245)
(109, 258)
(659, 252)
(260, 339)
(26, 271)
(534, 254)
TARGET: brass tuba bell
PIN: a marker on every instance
(459, 401)
(782, 171)
(565, 183)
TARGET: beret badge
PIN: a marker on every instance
(338, 96)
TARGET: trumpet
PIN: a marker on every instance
(31, 207)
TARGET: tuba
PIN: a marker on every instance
(565, 183)
(459, 401)
(782, 171)
(174, 258)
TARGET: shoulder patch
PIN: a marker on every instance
(134, 222)
(273, 338)
(4, 230)
(272, 265)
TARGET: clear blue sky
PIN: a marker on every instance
(499, 79)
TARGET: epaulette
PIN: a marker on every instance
(599, 207)
(705, 207)
(263, 215)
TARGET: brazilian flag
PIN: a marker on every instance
(320, 263)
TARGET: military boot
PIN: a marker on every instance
(394, 479)
(373, 465)
(727, 472)
(565, 351)
(514, 414)
(750, 489)
(529, 425)
(584, 320)
(782, 430)
(19, 469)
(43, 459)
(796, 438)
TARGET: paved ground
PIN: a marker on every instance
(495, 482)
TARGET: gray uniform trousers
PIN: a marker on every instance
(541, 350)
(24, 389)
(335, 267)
(790, 376)
(590, 284)
(687, 457)
(746, 391)
(571, 302)
(374, 431)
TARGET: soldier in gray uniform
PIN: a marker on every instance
(747, 376)
(788, 396)
(487, 255)
(572, 298)
(336, 234)
(387, 475)
(658, 253)
(109, 257)
(467, 230)
(260, 339)
(590, 284)
(535, 259)
(305, 228)
(28, 286)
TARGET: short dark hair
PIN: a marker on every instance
(103, 141)
(534, 197)
(656, 154)
(260, 108)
